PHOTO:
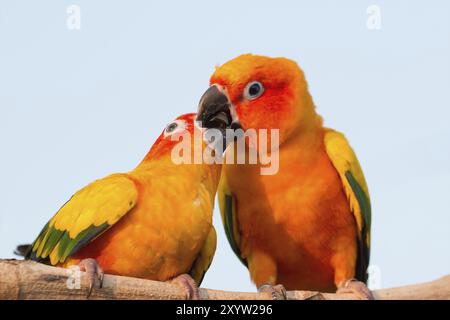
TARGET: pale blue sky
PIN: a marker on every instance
(78, 105)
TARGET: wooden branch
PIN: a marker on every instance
(31, 280)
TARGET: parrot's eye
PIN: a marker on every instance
(173, 127)
(253, 90)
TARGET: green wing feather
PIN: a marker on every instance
(229, 222)
(227, 205)
(363, 241)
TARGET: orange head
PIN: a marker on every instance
(258, 92)
(168, 139)
(182, 142)
(181, 152)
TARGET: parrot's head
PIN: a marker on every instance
(182, 126)
(176, 151)
(180, 142)
(258, 92)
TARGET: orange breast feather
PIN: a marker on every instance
(299, 218)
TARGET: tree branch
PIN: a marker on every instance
(31, 280)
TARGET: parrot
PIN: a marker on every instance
(154, 222)
(306, 227)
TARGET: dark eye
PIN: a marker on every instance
(175, 127)
(253, 90)
(171, 127)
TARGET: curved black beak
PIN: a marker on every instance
(214, 109)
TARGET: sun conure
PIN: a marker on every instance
(307, 226)
(154, 222)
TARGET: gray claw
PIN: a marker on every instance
(93, 271)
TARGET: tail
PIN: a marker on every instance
(23, 250)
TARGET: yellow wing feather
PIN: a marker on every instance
(347, 165)
(106, 200)
(204, 258)
(90, 212)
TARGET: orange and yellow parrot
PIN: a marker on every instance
(307, 226)
(154, 222)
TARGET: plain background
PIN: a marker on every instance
(78, 105)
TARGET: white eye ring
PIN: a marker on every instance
(175, 127)
(253, 90)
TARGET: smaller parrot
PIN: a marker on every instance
(307, 226)
(154, 222)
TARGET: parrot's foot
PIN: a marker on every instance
(93, 271)
(278, 291)
(357, 288)
(186, 283)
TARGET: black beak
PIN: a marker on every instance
(214, 109)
